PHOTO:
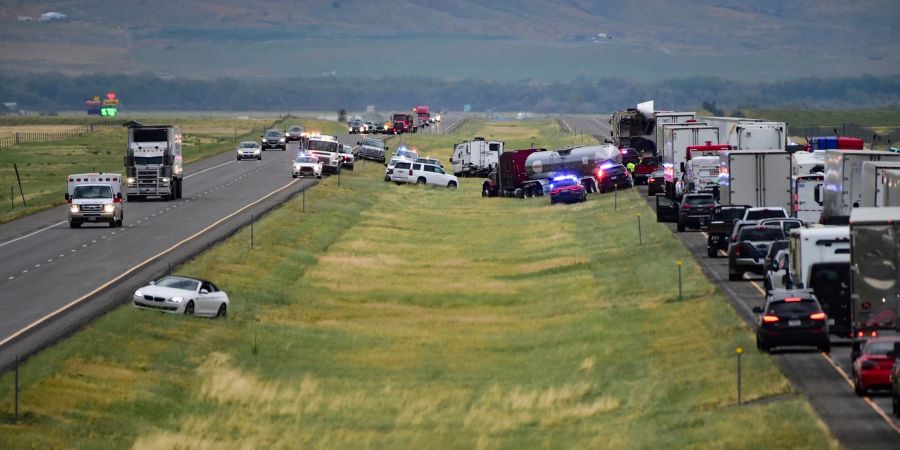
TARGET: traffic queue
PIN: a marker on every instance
(819, 223)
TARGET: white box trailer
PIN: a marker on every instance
(742, 133)
(807, 202)
(676, 139)
(820, 261)
(891, 183)
(875, 272)
(806, 163)
(475, 157)
(669, 117)
(755, 178)
(843, 181)
(872, 189)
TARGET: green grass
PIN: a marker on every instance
(43, 166)
(402, 317)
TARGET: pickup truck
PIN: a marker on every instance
(644, 169)
(720, 227)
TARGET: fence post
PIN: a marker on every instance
(17, 137)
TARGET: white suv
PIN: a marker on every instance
(422, 173)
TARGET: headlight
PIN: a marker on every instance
(74, 208)
(164, 180)
(131, 180)
(176, 299)
(296, 166)
(350, 129)
(109, 207)
(138, 293)
(255, 150)
(281, 140)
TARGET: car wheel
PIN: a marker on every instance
(451, 185)
(895, 404)
(119, 222)
(319, 176)
(733, 276)
(293, 176)
(189, 308)
(825, 348)
(680, 226)
(420, 182)
(223, 311)
(711, 251)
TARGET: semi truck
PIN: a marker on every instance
(403, 123)
(875, 273)
(701, 169)
(873, 189)
(94, 198)
(635, 128)
(153, 163)
(475, 158)
(676, 140)
(665, 118)
(527, 173)
(820, 261)
(843, 181)
(423, 115)
(755, 178)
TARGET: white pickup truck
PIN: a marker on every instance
(95, 198)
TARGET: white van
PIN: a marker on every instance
(95, 198)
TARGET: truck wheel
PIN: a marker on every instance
(526, 193)
(734, 276)
(179, 189)
(485, 192)
(119, 222)
(518, 193)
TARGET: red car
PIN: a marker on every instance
(872, 369)
(567, 189)
(644, 169)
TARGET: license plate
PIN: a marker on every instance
(793, 323)
(830, 321)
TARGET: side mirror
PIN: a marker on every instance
(152, 283)
(757, 310)
(682, 167)
(67, 196)
(385, 164)
(817, 194)
(204, 291)
(119, 195)
(358, 143)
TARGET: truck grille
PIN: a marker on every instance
(147, 178)
(91, 208)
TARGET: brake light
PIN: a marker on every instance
(116, 199)
(410, 172)
(686, 206)
(768, 318)
(793, 299)
(599, 173)
(737, 250)
(817, 316)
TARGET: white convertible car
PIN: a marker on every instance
(183, 295)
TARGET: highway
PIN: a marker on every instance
(858, 423)
(54, 279)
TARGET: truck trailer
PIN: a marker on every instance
(676, 140)
(820, 261)
(843, 181)
(749, 134)
(755, 178)
(873, 190)
(891, 183)
(153, 163)
(475, 158)
(875, 273)
(665, 118)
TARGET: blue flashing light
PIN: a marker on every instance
(566, 177)
(607, 166)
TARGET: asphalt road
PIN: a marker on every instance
(55, 279)
(858, 423)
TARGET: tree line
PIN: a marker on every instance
(56, 91)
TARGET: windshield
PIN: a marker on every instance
(699, 199)
(648, 161)
(273, 134)
(373, 143)
(346, 149)
(879, 348)
(765, 214)
(151, 135)
(323, 146)
(178, 283)
(659, 174)
(307, 159)
(249, 145)
(802, 307)
(761, 234)
(295, 129)
(728, 215)
(564, 182)
(356, 123)
(148, 160)
(98, 191)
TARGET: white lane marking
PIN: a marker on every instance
(73, 250)
(37, 265)
(62, 254)
(25, 271)
(94, 241)
(868, 400)
(10, 278)
(33, 233)
(50, 260)
(208, 169)
(66, 221)
(138, 266)
(83, 245)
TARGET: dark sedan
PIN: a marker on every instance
(656, 183)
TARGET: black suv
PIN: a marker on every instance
(748, 251)
(294, 133)
(273, 139)
(720, 227)
(792, 318)
(695, 210)
(612, 175)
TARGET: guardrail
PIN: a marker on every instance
(21, 137)
(456, 125)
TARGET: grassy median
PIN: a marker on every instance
(404, 317)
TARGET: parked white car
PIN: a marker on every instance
(423, 173)
(249, 150)
(389, 166)
(182, 295)
(306, 166)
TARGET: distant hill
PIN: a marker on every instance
(529, 39)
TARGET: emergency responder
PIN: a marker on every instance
(630, 166)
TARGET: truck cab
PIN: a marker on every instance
(94, 198)
(327, 149)
(153, 163)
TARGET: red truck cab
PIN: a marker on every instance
(403, 123)
(423, 115)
